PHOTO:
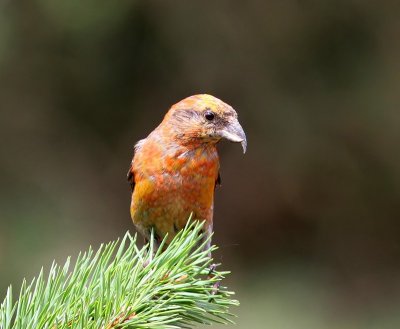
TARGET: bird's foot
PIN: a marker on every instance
(211, 274)
(215, 288)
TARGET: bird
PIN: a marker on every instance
(176, 168)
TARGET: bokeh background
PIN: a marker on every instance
(307, 220)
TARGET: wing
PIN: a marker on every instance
(131, 178)
(218, 180)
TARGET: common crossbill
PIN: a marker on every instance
(175, 169)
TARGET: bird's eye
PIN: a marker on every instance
(209, 115)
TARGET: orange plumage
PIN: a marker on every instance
(175, 169)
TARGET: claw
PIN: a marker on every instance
(212, 270)
(215, 287)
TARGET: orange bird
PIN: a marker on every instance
(175, 169)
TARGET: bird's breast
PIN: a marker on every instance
(189, 177)
(182, 183)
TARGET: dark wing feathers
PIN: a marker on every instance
(131, 178)
(218, 180)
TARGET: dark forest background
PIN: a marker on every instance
(307, 220)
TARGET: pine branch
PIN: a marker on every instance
(120, 286)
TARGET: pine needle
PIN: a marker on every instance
(122, 286)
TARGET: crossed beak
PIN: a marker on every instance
(235, 133)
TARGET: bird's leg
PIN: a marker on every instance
(211, 274)
(152, 238)
(207, 233)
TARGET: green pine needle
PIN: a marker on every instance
(121, 286)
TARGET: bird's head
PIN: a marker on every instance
(204, 119)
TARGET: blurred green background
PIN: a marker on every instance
(308, 219)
